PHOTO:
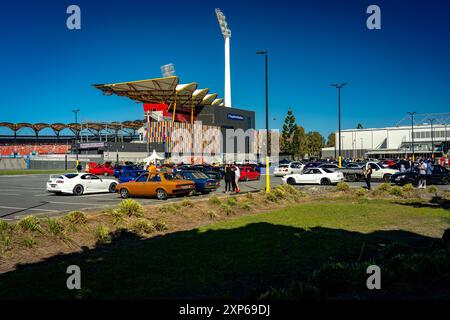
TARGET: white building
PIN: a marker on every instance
(391, 142)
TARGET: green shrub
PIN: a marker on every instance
(117, 216)
(29, 223)
(342, 186)
(143, 226)
(408, 188)
(187, 204)
(4, 226)
(75, 217)
(160, 225)
(270, 196)
(103, 234)
(361, 192)
(433, 189)
(55, 227)
(396, 191)
(212, 214)
(170, 208)
(214, 199)
(131, 208)
(246, 205)
(29, 242)
(384, 187)
(231, 201)
(279, 192)
(227, 209)
(6, 242)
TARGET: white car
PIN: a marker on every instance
(322, 176)
(80, 183)
(290, 168)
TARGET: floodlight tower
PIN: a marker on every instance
(227, 35)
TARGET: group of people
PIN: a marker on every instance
(232, 175)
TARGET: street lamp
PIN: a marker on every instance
(266, 58)
(76, 133)
(412, 133)
(339, 86)
(432, 137)
(226, 32)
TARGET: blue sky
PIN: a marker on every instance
(47, 70)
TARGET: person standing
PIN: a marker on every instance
(422, 174)
(237, 175)
(368, 175)
(233, 179)
(228, 178)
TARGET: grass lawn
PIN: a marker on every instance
(22, 172)
(237, 258)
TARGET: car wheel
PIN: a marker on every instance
(112, 187)
(161, 194)
(78, 190)
(291, 181)
(325, 182)
(246, 179)
(386, 177)
(124, 193)
(351, 177)
(410, 181)
(445, 181)
(106, 174)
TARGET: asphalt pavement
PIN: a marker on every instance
(24, 195)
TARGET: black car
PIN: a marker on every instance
(439, 175)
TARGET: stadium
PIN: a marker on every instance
(167, 106)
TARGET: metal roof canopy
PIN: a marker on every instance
(160, 90)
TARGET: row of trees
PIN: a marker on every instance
(294, 140)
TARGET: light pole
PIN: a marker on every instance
(266, 58)
(226, 32)
(76, 133)
(432, 137)
(412, 133)
(339, 86)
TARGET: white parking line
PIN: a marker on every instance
(17, 208)
(75, 203)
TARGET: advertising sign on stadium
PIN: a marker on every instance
(92, 145)
(233, 116)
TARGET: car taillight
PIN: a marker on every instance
(60, 181)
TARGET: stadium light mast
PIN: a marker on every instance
(432, 136)
(226, 32)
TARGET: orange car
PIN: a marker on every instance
(159, 184)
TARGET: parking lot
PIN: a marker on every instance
(26, 195)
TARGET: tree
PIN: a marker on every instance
(331, 141)
(287, 141)
(315, 143)
(302, 142)
(359, 126)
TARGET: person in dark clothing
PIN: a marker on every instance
(228, 178)
(79, 167)
(233, 179)
(368, 175)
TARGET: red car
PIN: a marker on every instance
(248, 173)
(387, 163)
(101, 169)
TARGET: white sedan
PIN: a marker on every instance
(290, 168)
(322, 176)
(80, 183)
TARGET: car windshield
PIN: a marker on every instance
(199, 175)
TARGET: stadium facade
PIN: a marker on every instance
(393, 142)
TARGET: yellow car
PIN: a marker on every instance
(159, 184)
